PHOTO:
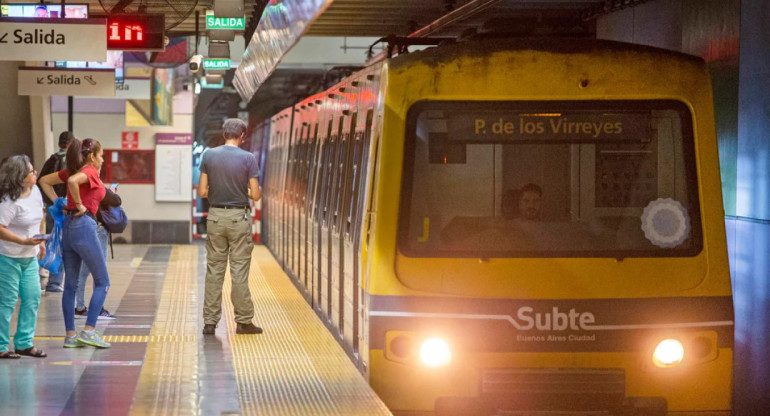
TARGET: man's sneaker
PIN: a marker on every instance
(209, 329)
(54, 288)
(248, 328)
(81, 313)
(105, 314)
(92, 338)
(72, 342)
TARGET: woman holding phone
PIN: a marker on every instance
(80, 242)
(21, 220)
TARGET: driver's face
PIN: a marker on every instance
(530, 205)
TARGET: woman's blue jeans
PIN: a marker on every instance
(103, 235)
(80, 244)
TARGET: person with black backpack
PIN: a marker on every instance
(55, 163)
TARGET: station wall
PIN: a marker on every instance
(150, 221)
(731, 37)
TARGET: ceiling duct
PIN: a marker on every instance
(221, 35)
(228, 8)
(219, 50)
(213, 79)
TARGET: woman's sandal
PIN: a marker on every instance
(8, 354)
(32, 352)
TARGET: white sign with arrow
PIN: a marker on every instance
(64, 81)
(27, 39)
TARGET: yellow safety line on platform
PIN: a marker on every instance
(296, 367)
(136, 261)
(132, 338)
(167, 383)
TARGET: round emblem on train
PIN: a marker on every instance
(665, 223)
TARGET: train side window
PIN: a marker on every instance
(305, 166)
(298, 144)
(313, 172)
(343, 163)
(337, 172)
(327, 168)
(350, 167)
(359, 169)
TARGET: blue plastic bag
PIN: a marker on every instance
(53, 252)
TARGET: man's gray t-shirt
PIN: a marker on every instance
(229, 169)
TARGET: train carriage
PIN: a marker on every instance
(397, 201)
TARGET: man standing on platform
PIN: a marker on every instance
(228, 179)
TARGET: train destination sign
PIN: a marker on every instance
(580, 126)
(27, 39)
(225, 23)
(64, 81)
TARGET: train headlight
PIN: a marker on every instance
(668, 353)
(435, 352)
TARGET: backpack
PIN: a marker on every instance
(54, 163)
(114, 219)
(61, 162)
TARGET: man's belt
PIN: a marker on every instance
(229, 206)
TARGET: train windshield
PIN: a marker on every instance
(550, 179)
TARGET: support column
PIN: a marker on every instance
(15, 136)
(40, 122)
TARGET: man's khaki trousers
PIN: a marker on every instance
(228, 236)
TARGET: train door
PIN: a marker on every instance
(285, 126)
(293, 195)
(327, 152)
(328, 261)
(320, 131)
(352, 224)
(305, 120)
(341, 193)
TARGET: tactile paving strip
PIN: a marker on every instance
(296, 367)
(167, 383)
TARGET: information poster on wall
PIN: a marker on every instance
(173, 166)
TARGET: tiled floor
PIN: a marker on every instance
(159, 364)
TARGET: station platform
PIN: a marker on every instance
(160, 364)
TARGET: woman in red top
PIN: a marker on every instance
(80, 242)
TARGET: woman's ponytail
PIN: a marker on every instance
(75, 159)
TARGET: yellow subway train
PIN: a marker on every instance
(513, 226)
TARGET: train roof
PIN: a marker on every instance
(485, 46)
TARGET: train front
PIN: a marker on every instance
(558, 243)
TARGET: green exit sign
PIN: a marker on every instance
(225, 23)
(216, 63)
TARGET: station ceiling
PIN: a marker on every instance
(370, 18)
(180, 14)
(401, 18)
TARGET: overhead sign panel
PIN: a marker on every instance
(27, 39)
(133, 89)
(210, 63)
(63, 81)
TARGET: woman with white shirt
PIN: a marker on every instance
(21, 218)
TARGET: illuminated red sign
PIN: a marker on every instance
(138, 32)
(118, 33)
